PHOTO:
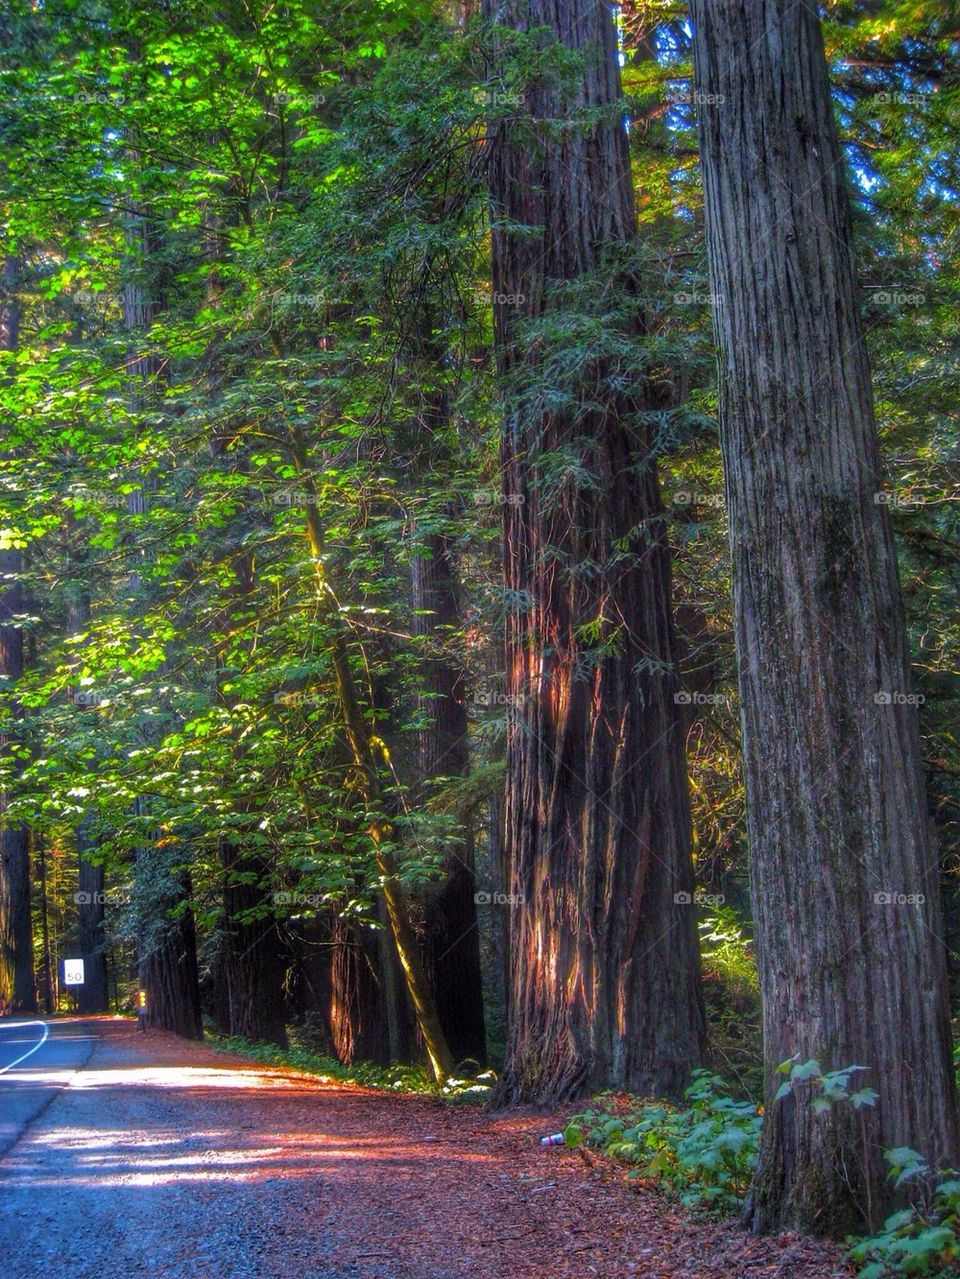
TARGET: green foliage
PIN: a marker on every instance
(731, 988)
(705, 1153)
(825, 1090)
(922, 1239)
(299, 195)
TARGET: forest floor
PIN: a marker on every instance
(161, 1157)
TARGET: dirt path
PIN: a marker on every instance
(164, 1158)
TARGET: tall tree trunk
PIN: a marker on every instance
(254, 960)
(168, 964)
(168, 967)
(93, 996)
(451, 937)
(253, 954)
(844, 875)
(16, 933)
(17, 985)
(605, 969)
(46, 984)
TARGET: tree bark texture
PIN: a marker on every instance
(605, 982)
(844, 874)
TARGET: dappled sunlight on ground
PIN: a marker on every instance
(167, 1158)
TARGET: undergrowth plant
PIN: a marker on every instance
(705, 1153)
(924, 1237)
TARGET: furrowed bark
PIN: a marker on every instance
(844, 872)
(605, 980)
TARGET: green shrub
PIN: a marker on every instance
(731, 989)
(923, 1239)
(705, 1153)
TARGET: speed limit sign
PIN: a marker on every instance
(73, 972)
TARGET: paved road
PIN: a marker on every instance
(37, 1061)
(125, 1155)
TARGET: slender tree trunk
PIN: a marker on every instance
(451, 937)
(17, 985)
(367, 762)
(253, 953)
(93, 996)
(845, 882)
(605, 982)
(398, 1013)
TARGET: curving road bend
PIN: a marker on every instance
(38, 1059)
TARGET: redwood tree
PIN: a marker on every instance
(605, 970)
(844, 875)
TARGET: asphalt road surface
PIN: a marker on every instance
(123, 1154)
(37, 1061)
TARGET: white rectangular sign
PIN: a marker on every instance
(73, 972)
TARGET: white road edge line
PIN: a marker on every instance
(21, 1025)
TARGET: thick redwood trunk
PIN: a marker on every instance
(845, 881)
(451, 937)
(358, 1015)
(605, 972)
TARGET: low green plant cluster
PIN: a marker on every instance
(705, 1153)
(922, 1239)
(398, 1077)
